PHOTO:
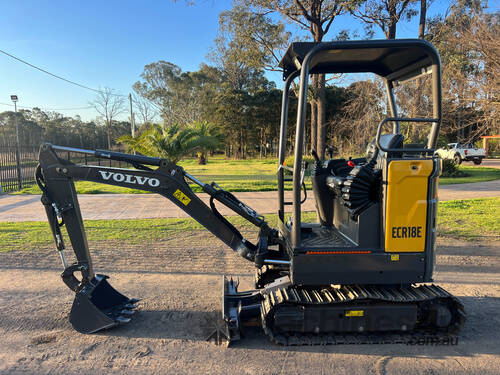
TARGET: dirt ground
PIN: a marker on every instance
(180, 283)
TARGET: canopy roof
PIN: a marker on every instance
(396, 59)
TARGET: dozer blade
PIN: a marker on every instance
(238, 309)
(99, 306)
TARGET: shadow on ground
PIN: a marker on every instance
(197, 326)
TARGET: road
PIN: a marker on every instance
(490, 163)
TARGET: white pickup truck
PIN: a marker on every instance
(459, 152)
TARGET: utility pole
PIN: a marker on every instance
(18, 156)
(132, 122)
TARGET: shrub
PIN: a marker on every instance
(450, 169)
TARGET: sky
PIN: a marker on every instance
(107, 44)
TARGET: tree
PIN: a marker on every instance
(169, 142)
(314, 16)
(265, 117)
(30, 133)
(207, 138)
(174, 142)
(108, 105)
(467, 40)
(145, 108)
(248, 40)
(416, 98)
(360, 107)
(423, 17)
(483, 35)
(178, 96)
(385, 14)
(231, 113)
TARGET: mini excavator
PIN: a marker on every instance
(361, 274)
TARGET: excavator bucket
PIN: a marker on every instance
(99, 306)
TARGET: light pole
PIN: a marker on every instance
(18, 157)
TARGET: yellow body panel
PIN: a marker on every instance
(406, 213)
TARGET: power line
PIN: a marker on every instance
(48, 109)
(55, 75)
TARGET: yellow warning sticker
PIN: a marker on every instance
(394, 257)
(183, 198)
(354, 313)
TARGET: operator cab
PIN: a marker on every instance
(377, 208)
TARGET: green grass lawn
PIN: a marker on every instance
(249, 175)
(471, 219)
(474, 174)
(30, 235)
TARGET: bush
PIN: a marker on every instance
(450, 169)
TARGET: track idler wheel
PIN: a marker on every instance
(98, 306)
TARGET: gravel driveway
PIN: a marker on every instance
(180, 283)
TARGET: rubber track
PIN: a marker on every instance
(359, 294)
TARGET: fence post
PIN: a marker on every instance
(18, 162)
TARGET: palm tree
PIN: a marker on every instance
(174, 143)
(208, 138)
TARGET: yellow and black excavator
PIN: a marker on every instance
(362, 274)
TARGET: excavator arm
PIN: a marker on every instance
(97, 305)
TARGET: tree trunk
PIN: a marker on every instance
(314, 114)
(392, 31)
(202, 159)
(265, 145)
(321, 98)
(108, 128)
(321, 117)
(423, 15)
(240, 156)
(415, 134)
(314, 122)
(261, 141)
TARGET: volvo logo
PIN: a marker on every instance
(130, 178)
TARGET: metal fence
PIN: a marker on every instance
(11, 180)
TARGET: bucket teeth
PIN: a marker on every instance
(133, 300)
(130, 306)
(127, 312)
(122, 320)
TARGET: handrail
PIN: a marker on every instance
(402, 119)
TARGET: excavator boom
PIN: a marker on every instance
(97, 304)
